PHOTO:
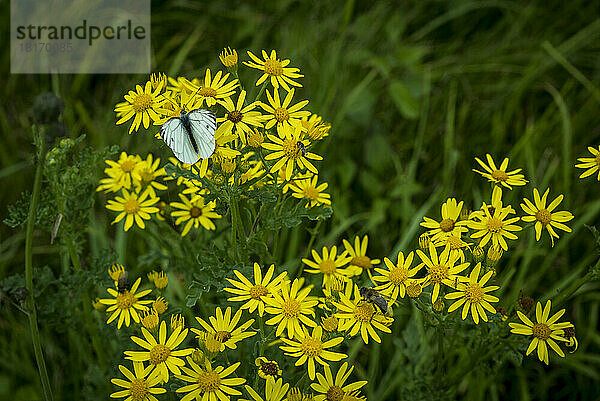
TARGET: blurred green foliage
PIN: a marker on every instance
(414, 90)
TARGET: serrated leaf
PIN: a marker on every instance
(264, 195)
(595, 233)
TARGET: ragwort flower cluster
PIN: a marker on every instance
(264, 143)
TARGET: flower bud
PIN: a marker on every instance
(424, 240)
(526, 303)
(255, 138)
(329, 323)
(478, 254)
(228, 166)
(229, 57)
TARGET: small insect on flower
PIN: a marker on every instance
(122, 285)
(373, 296)
(301, 147)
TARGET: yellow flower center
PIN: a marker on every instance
(230, 60)
(146, 175)
(541, 331)
(330, 323)
(269, 368)
(160, 306)
(335, 393)
(291, 308)
(447, 225)
(257, 291)
(150, 321)
(131, 206)
(312, 347)
(474, 293)
(142, 103)
(281, 114)
(207, 92)
(311, 193)
(363, 262)
(128, 166)
(454, 242)
(138, 390)
(494, 225)
(543, 216)
(499, 175)
(222, 336)
(438, 273)
(413, 290)
(598, 159)
(273, 67)
(159, 353)
(235, 116)
(255, 138)
(209, 381)
(195, 212)
(327, 266)
(398, 275)
(290, 149)
(213, 343)
(125, 300)
(364, 312)
(161, 282)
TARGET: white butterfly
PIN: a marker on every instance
(191, 136)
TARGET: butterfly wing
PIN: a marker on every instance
(176, 137)
(203, 124)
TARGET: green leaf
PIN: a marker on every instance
(405, 102)
(595, 233)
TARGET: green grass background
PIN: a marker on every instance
(414, 91)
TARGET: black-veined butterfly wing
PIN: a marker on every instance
(203, 124)
(176, 137)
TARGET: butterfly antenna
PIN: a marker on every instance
(170, 100)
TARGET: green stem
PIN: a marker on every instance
(85, 301)
(233, 207)
(301, 379)
(35, 333)
(74, 256)
(89, 323)
(276, 232)
(455, 378)
(261, 91)
(425, 309)
(264, 162)
(313, 237)
(240, 229)
(256, 219)
(575, 285)
(261, 327)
